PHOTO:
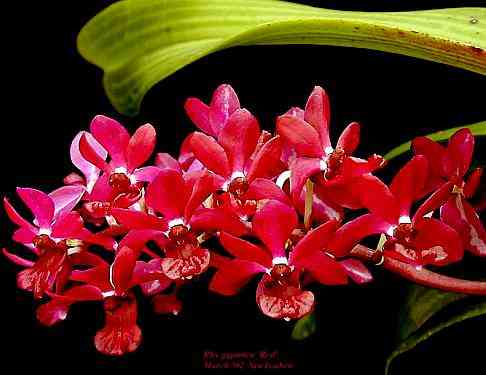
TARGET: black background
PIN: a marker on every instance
(50, 93)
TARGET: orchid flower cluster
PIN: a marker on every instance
(281, 206)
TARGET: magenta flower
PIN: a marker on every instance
(114, 282)
(236, 158)
(449, 165)
(279, 293)
(179, 199)
(307, 133)
(209, 119)
(120, 182)
(57, 233)
(420, 240)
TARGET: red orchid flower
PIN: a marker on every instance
(449, 166)
(420, 240)
(234, 158)
(210, 119)
(179, 199)
(57, 233)
(279, 293)
(121, 333)
(307, 133)
(120, 183)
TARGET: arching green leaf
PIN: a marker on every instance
(477, 129)
(423, 334)
(140, 42)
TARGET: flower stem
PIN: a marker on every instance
(420, 275)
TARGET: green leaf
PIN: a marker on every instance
(421, 304)
(477, 129)
(304, 327)
(140, 42)
(423, 334)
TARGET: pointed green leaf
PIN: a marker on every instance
(421, 304)
(416, 338)
(477, 129)
(304, 327)
(140, 42)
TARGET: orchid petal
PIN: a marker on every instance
(408, 184)
(300, 170)
(300, 135)
(267, 161)
(459, 153)
(261, 188)
(349, 138)
(324, 269)
(168, 194)
(15, 217)
(164, 160)
(136, 239)
(434, 201)
(234, 275)
(68, 225)
(458, 213)
(210, 154)
(89, 170)
(17, 260)
(66, 198)
(40, 204)
(198, 112)
(91, 155)
(314, 241)
(318, 114)
(354, 231)
(223, 103)
(121, 270)
(245, 250)
(273, 224)
(473, 182)
(112, 136)
(146, 174)
(215, 219)
(239, 138)
(356, 270)
(24, 236)
(201, 190)
(140, 146)
(139, 220)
